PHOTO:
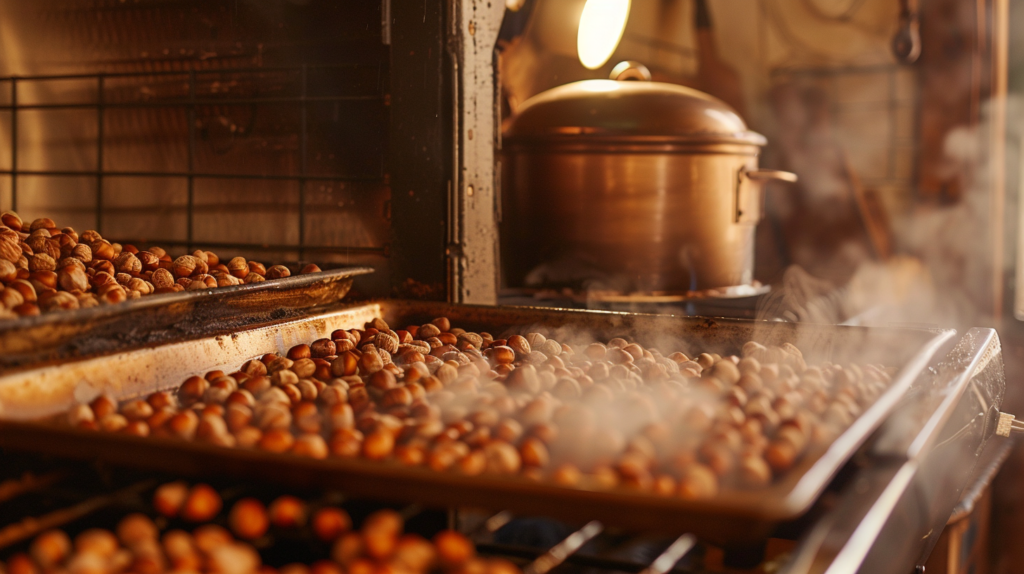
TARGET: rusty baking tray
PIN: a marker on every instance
(156, 319)
(734, 515)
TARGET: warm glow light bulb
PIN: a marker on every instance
(601, 27)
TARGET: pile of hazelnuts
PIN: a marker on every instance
(43, 268)
(142, 545)
(592, 415)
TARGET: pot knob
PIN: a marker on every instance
(629, 70)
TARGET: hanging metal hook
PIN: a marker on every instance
(906, 44)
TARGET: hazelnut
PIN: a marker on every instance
(257, 268)
(184, 266)
(192, 390)
(50, 549)
(127, 263)
(136, 529)
(698, 482)
(378, 445)
(10, 298)
(210, 537)
(203, 503)
(427, 331)
(288, 512)
(41, 262)
(181, 551)
(8, 272)
(21, 564)
(42, 223)
(248, 437)
(380, 533)
(169, 498)
(184, 424)
(137, 410)
(310, 445)
(248, 519)
(11, 219)
(72, 277)
(10, 249)
(387, 342)
(276, 440)
(277, 272)
(329, 523)
(453, 549)
(80, 414)
(323, 348)
(97, 541)
(238, 267)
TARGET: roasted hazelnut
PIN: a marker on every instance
(103, 406)
(11, 219)
(202, 504)
(181, 551)
(184, 266)
(754, 471)
(347, 548)
(698, 482)
(21, 564)
(97, 541)
(127, 263)
(310, 445)
(276, 440)
(323, 348)
(371, 362)
(288, 512)
(780, 455)
(378, 445)
(169, 498)
(534, 452)
(248, 519)
(210, 537)
(72, 277)
(329, 523)
(248, 437)
(380, 533)
(50, 549)
(257, 268)
(184, 424)
(137, 410)
(453, 549)
(80, 414)
(136, 529)
(277, 272)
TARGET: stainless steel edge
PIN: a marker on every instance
(888, 517)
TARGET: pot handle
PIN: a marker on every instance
(630, 70)
(771, 174)
(750, 192)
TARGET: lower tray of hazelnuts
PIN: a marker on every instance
(552, 408)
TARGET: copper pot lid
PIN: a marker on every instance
(632, 108)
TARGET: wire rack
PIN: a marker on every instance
(37, 496)
(308, 134)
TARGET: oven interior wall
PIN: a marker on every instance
(253, 128)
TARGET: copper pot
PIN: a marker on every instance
(633, 186)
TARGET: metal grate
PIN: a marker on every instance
(352, 97)
(37, 495)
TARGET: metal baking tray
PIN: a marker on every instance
(734, 515)
(155, 319)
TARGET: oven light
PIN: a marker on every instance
(601, 27)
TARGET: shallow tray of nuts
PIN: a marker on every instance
(704, 420)
(191, 528)
(59, 290)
